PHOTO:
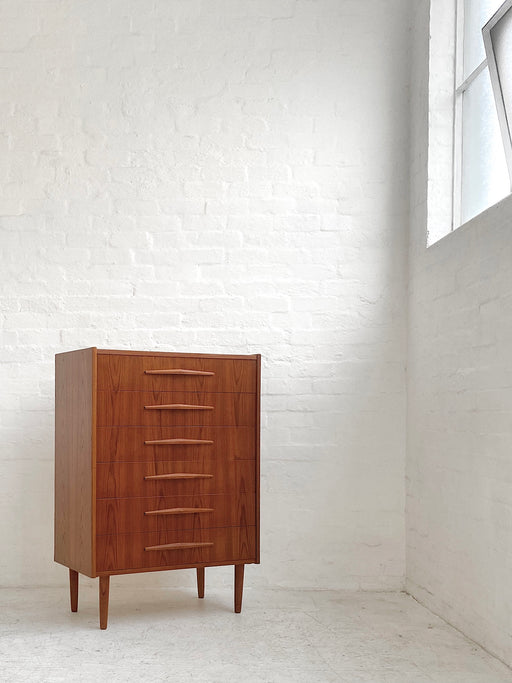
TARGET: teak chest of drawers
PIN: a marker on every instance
(156, 464)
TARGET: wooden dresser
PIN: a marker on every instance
(156, 464)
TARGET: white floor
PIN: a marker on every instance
(293, 636)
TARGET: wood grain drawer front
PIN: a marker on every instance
(126, 444)
(174, 513)
(172, 408)
(119, 372)
(170, 549)
(207, 475)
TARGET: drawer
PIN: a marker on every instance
(168, 373)
(124, 444)
(175, 408)
(174, 513)
(205, 475)
(173, 549)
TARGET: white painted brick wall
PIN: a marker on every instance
(459, 465)
(225, 176)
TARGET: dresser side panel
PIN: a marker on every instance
(257, 450)
(74, 459)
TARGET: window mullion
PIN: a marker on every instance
(457, 162)
(459, 43)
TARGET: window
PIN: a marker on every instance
(483, 106)
(497, 34)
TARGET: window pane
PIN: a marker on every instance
(476, 14)
(484, 169)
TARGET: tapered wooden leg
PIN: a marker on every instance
(200, 582)
(73, 589)
(104, 589)
(239, 586)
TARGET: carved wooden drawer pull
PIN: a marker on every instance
(178, 475)
(178, 406)
(178, 442)
(178, 546)
(179, 511)
(179, 371)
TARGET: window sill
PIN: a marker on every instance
(496, 216)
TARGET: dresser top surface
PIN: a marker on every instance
(168, 354)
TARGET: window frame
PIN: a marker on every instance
(461, 85)
(440, 119)
(505, 126)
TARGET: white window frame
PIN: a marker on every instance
(441, 79)
(461, 86)
(458, 100)
(440, 128)
(503, 115)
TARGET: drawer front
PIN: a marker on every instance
(187, 548)
(174, 513)
(205, 475)
(162, 373)
(154, 444)
(175, 408)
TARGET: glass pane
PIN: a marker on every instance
(484, 168)
(476, 14)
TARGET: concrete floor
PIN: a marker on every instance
(294, 636)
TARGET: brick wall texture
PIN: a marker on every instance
(227, 176)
